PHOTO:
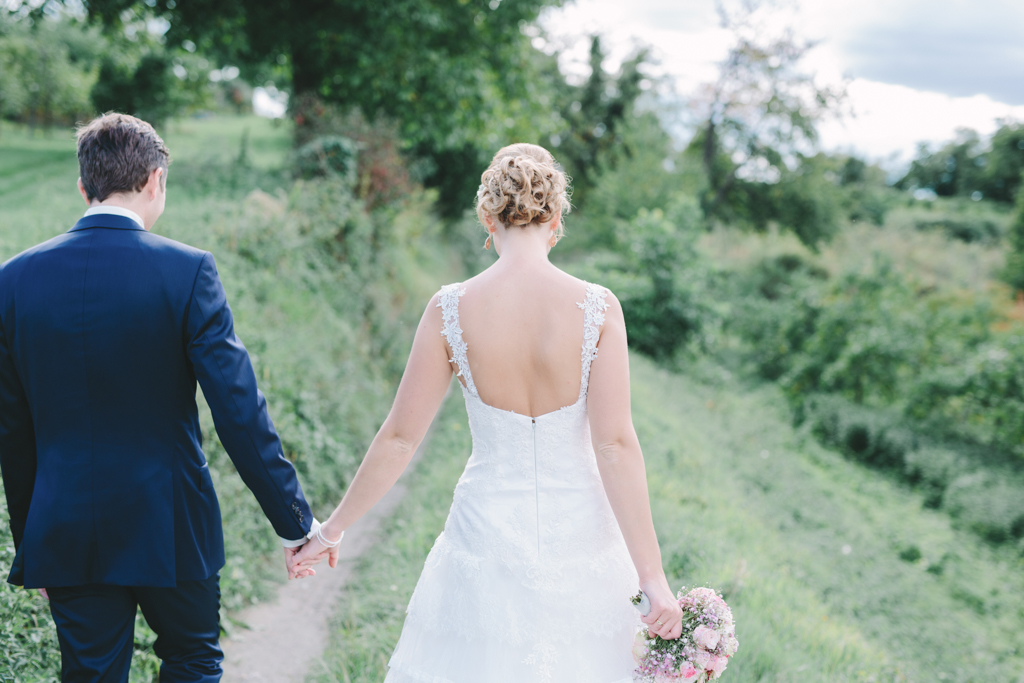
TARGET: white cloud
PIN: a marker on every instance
(920, 69)
(892, 119)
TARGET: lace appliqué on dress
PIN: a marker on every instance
(593, 308)
(448, 302)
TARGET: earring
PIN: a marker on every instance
(487, 242)
(553, 241)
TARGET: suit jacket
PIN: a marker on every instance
(104, 331)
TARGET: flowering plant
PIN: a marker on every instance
(700, 653)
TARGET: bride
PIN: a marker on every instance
(550, 531)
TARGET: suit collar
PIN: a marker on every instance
(106, 220)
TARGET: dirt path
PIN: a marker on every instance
(287, 636)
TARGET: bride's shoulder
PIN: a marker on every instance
(595, 292)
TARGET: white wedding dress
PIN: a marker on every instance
(530, 580)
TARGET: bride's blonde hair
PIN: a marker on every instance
(523, 185)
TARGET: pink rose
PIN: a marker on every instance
(718, 665)
(701, 659)
(688, 672)
(706, 637)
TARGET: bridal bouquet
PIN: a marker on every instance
(700, 653)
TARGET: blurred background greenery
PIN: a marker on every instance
(829, 358)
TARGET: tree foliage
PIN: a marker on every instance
(431, 64)
(1014, 273)
(44, 77)
(592, 115)
(758, 121)
(970, 166)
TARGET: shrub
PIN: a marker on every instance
(872, 436)
(932, 469)
(984, 496)
(661, 281)
(966, 230)
(327, 155)
(981, 397)
(777, 304)
(989, 503)
(381, 171)
(1014, 272)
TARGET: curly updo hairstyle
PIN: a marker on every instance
(523, 185)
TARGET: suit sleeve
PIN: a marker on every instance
(225, 373)
(17, 442)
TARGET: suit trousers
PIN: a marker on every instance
(96, 630)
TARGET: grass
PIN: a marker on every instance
(834, 572)
(372, 607)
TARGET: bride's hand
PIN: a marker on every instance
(313, 553)
(666, 617)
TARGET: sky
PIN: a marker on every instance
(916, 70)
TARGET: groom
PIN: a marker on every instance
(104, 332)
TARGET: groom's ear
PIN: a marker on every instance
(156, 182)
(84, 193)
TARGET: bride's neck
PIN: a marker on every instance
(524, 246)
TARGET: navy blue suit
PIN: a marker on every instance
(104, 332)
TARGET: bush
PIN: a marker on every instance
(382, 172)
(981, 397)
(1014, 272)
(777, 304)
(984, 496)
(966, 230)
(989, 503)
(872, 436)
(932, 469)
(328, 155)
(661, 281)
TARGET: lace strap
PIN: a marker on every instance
(448, 302)
(593, 308)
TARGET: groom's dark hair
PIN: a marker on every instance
(116, 153)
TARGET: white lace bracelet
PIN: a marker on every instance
(324, 542)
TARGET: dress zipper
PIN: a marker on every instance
(536, 482)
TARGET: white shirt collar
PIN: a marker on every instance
(117, 211)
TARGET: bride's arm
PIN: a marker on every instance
(424, 383)
(621, 463)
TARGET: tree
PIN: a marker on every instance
(1014, 273)
(758, 119)
(53, 86)
(592, 117)
(969, 166)
(953, 169)
(1004, 163)
(150, 90)
(444, 70)
(12, 92)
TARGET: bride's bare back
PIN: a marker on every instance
(524, 331)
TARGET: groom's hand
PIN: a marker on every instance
(314, 553)
(295, 572)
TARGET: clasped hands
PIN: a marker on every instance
(300, 560)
